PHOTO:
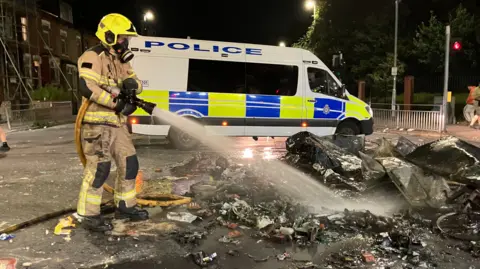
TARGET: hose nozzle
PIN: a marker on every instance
(147, 106)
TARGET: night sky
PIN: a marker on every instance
(248, 21)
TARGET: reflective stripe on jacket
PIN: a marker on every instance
(99, 73)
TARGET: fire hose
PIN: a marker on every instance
(164, 200)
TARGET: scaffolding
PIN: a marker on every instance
(19, 56)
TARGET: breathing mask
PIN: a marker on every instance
(123, 52)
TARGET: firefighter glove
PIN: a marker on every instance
(128, 109)
(120, 105)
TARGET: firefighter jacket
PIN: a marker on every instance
(100, 72)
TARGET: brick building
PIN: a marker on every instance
(41, 48)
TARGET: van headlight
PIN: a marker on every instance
(369, 110)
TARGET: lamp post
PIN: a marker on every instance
(445, 78)
(148, 16)
(394, 68)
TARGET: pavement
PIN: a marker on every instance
(460, 130)
(41, 174)
(464, 132)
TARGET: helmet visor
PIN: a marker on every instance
(122, 38)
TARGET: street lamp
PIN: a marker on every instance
(148, 16)
(282, 44)
(310, 5)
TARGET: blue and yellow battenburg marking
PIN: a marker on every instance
(225, 105)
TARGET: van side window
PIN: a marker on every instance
(333, 88)
(320, 81)
(317, 79)
(271, 79)
(216, 76)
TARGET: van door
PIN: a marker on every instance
(324, 104)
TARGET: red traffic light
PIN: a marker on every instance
(457, 45)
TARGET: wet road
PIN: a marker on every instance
(43, 166)
(42, 173)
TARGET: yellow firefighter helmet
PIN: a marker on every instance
(113, 25)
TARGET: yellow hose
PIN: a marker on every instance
(174, 199)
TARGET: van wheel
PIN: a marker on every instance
(181, 140)
(348, 128)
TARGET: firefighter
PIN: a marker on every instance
(105, 76)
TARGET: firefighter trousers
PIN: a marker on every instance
(101, 144)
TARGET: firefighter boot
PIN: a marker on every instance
(96, 223)
(131, 213)
(4, 147)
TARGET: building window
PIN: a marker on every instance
(79, 46)
(24, 22)
(27, 65)
(271, 79)
(216, 76)
(7, 29)
(63, 40)
(46, 34)
(66, 12)
(321, 82)
(54, 68)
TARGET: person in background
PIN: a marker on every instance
(476, 106)
(3, 139)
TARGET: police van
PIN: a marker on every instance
(237, 89)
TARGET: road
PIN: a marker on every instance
(42, 173)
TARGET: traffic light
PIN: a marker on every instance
(456, 44)
(338, 65)
(337, 60)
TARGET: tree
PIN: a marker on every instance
(373, 54)
(381, 76)
(429, 42)
(310, 41)
(363, 34)
(305, 42)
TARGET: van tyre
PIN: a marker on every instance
(348, 128)
(181, 140)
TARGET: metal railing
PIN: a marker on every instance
(44, 113)
(417, 117)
